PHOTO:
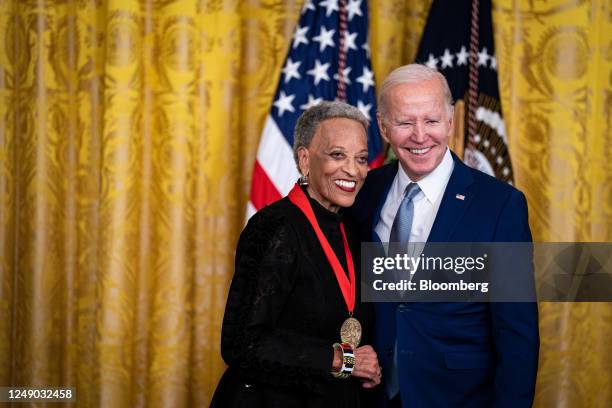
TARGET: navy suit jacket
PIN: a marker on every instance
(458, 354)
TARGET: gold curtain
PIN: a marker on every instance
(128, 130)
(556, 86)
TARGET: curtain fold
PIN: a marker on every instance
(555, 79)
(128, 132)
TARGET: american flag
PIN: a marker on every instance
(328, 59)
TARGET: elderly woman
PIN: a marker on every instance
(295, 333)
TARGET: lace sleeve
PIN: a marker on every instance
(264, 277)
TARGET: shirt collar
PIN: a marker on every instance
(433, 184)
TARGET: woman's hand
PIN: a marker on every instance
(366, 367)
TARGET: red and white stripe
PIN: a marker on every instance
(275, 171)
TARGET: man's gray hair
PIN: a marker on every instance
(308, 123)
(410, 74)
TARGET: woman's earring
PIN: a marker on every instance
(303, 181)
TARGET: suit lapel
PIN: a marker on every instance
(383, 189)
(455, 201)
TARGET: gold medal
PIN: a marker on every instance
(350, 332)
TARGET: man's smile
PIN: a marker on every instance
(421, 151)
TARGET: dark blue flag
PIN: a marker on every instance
(445, 46)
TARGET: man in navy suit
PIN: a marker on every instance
(454, 354)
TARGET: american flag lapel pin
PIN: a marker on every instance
(460, 197)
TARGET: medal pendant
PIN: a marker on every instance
(350, 332)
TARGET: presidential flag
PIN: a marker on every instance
(328, 59)
(458, 42)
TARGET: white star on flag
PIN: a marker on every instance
(366, 79)
(330, 6)
(365, 109)
(308, 6)
(312, 101)
(319, 72)
(325, 38)
(483, 57)
(345, 75)
(300, 36)
(447, 59)
(349, 41)
(432, 62)
(283, 103)
(366, 47)
(291, 70)
(462, 56)
(353, 8)
(493, 63)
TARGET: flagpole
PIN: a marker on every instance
(473, 76)
(341, 90)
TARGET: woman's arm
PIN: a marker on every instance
(264, 278)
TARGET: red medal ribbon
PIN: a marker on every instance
(347, 285)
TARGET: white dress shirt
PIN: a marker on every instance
(426, 202)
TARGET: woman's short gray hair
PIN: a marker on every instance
(308, 123)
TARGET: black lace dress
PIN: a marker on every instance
(284, 312)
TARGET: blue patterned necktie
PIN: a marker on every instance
(400, 234)
(402, 224)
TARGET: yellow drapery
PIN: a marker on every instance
(128, 131)
(556, 89)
